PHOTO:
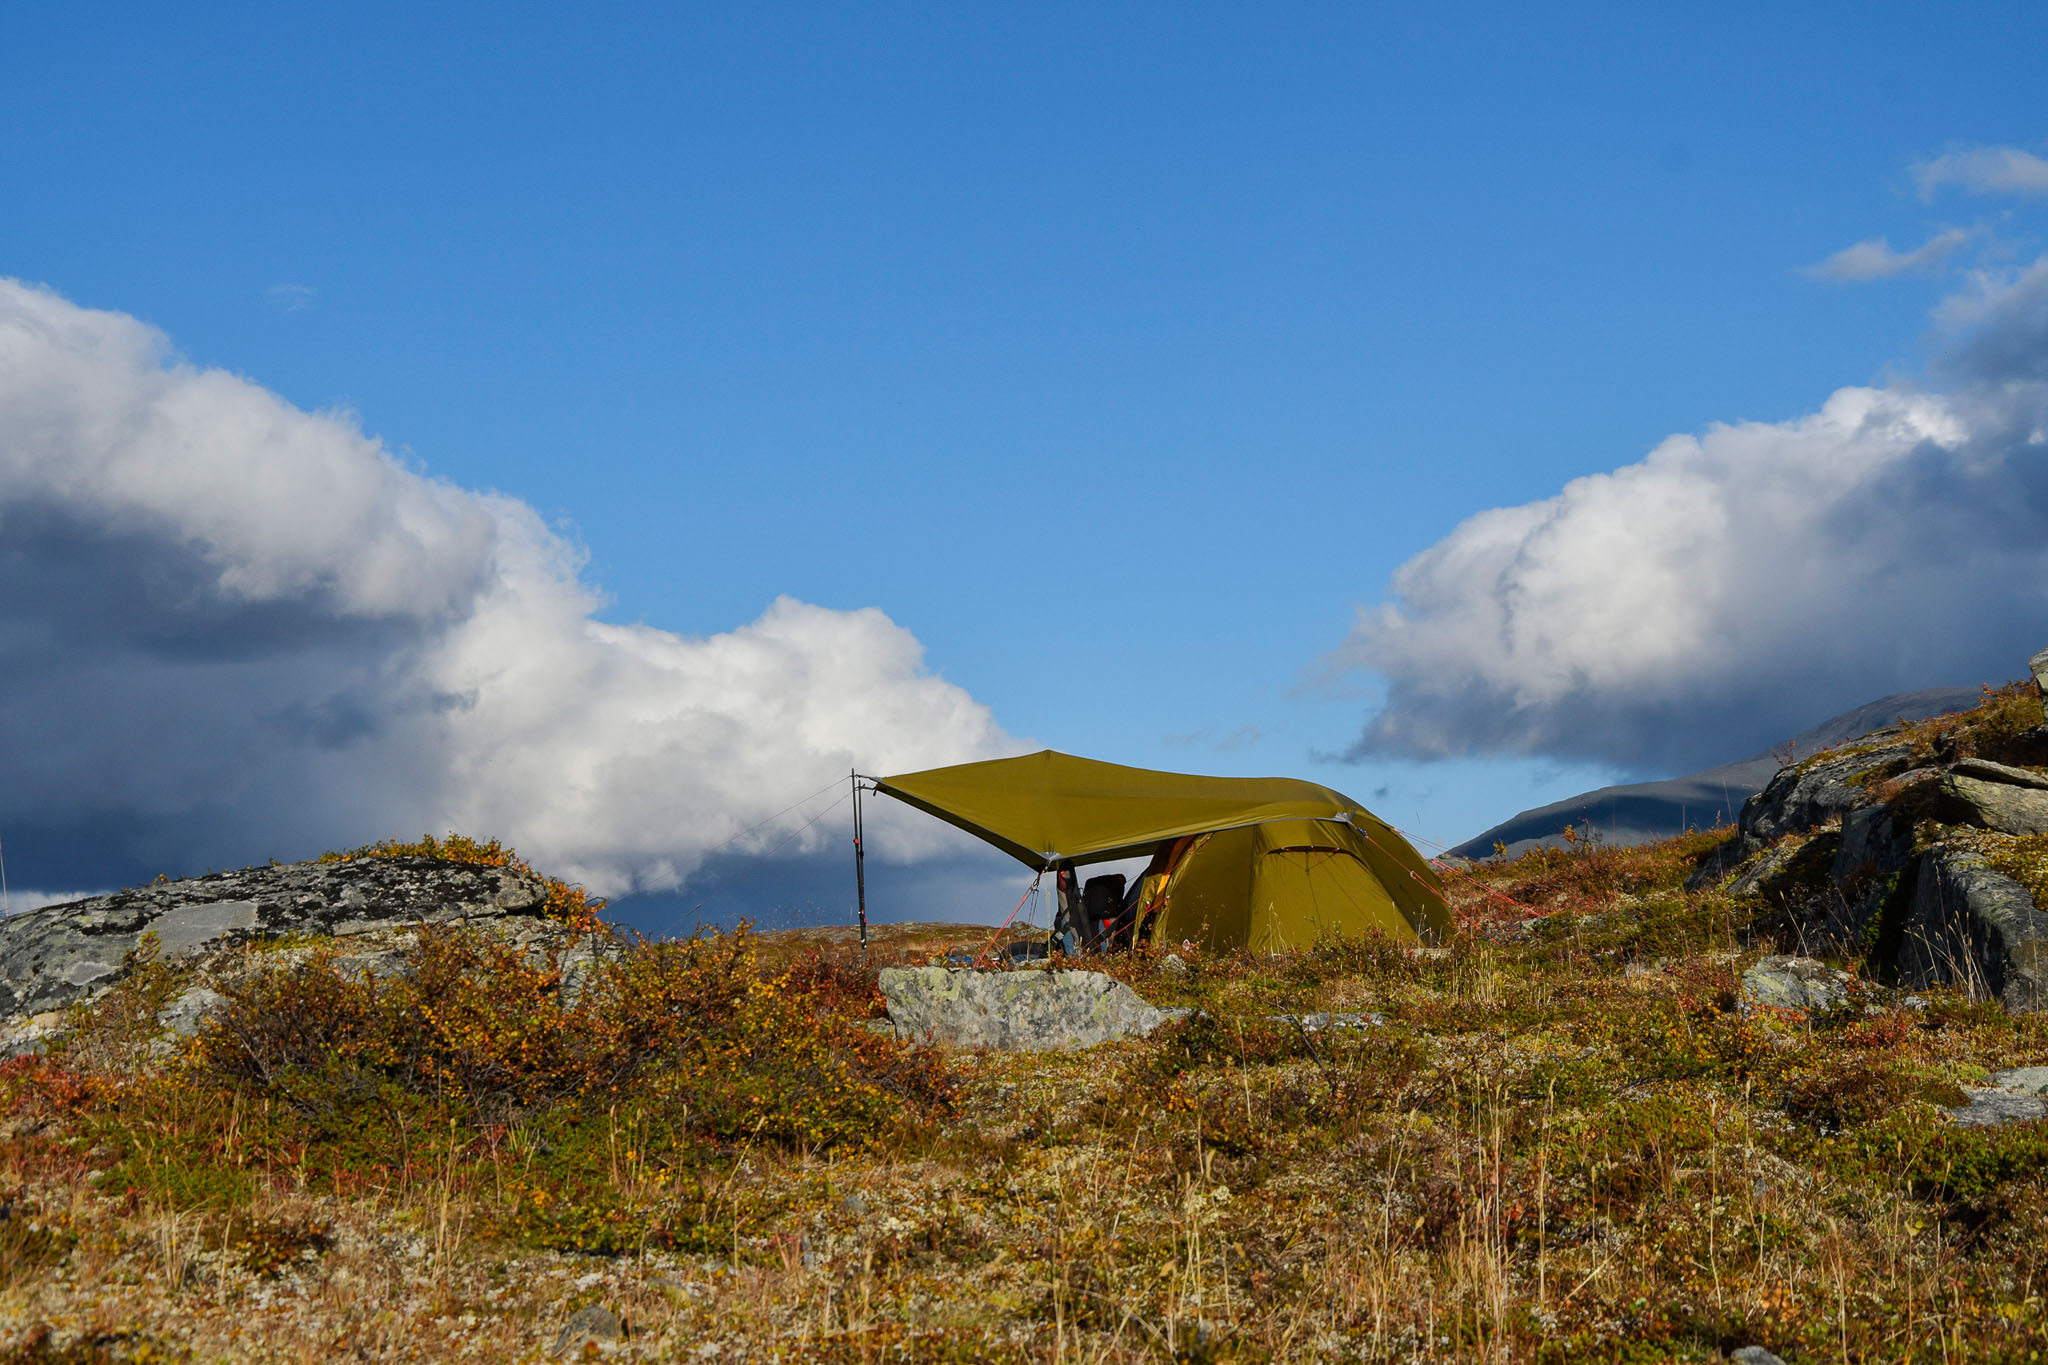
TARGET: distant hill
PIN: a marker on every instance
(1643, 812)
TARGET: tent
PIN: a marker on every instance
(1271, 863)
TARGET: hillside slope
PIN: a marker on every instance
(1611, 1119)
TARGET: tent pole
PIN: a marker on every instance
(860, 875)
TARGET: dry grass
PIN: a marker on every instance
(1565, 1142)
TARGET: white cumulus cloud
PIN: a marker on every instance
(1735, 586)
(1875, 260)
(1984, 170)
(235, 629)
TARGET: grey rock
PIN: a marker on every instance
(383, 965)
(1985, 770)
(1316, 1023)
(188, 926)
(2038, 666)
(1020, 1011)
(1871, 837)
(1870, 868)
(1996, 1108)
(578, 965)
(2022, 1080)
(1715, 868)
(1782, 868)
(1824, 788)
(1754, 1355)
(593, 1322)
(1172, 965)
(184, 1016)
(1829, 786)
(1760, 873)
(59, 955)
(1972, 926)
(1793, 983)
(1997, 805)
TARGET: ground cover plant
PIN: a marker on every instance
(1565, 1138)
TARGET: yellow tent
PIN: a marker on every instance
(1271, 863)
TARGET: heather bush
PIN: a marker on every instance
(493, 1033)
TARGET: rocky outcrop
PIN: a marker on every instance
(59, 955)
(1864, 854)
(1020, 1011)
(1813, 793)
(1823, 790)
(1972, 925)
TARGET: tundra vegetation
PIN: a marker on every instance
(1567, 1138)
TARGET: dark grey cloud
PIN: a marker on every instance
(1732, 587)
(1998, 330)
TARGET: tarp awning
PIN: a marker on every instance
(1046, 808)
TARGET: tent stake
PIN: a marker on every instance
(860, 875)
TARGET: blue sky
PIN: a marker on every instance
(1119, 354)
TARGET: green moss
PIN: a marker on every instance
(1877, 774)
(2025, 860)
(1885, 930)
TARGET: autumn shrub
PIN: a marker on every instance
(2004, 727)
(1658, 925)
(1584, 870)
(31, 1238)
(1974, 1175)
(1838, 1092)
(498, 1033)
(1621, 1156)
(1207, 1039)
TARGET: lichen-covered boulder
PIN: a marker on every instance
(1019, 1011)
(1793, 983)
(2004, 805)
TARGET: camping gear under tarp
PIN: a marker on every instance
(1271, 863)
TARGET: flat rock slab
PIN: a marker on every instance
(2003, 805)
(1021, 1011)
(58, 955)
(2022, 1080)
(1996, 1108)
(1984, 770)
